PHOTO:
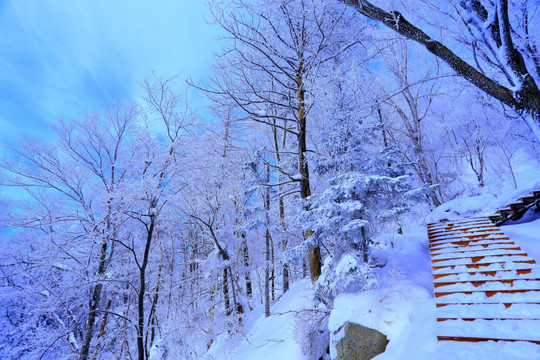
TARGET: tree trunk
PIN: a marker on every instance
(245, 255)
(102, 328)
(267, 245)
(93, 305)
(141, 349)
(314, 256)
(285, 269)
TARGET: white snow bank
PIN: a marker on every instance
(403, 308)
(403, 312)
(525, 233)
(272, 337)
(466, 207)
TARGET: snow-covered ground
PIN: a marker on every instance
(402, 307)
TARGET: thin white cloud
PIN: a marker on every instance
(63, 57)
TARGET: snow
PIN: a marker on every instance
(525, 233)
(272, 337)
(403, 306)
(392, 311)
(464, 208)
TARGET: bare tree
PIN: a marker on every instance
(505, 46)
(276, 52)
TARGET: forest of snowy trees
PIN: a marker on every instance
(329, 123)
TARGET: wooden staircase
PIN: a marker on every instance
(486, 288)
(515, 210)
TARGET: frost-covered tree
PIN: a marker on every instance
(491, 44)
(368, 183)
(276, 52)
(71, 189)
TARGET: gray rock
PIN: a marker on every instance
(360, 343)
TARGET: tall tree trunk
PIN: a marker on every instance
(272, 269)
(314, 256)
(285, 269)
(102, 327)
(267, 243)
(151, 323)
(93, 305)
(245, 256)
(141, 349)
(226, 297)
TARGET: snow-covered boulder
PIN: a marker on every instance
(360, 343)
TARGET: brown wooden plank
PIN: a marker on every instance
(477, 339)
(477, 283)
(489, 293)
(489, 319)
(487, 273)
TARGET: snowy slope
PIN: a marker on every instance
(402, 308)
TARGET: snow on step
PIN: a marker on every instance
(434, 234)
(489, 285)
(498, 310)
(485, 245)
(453, 223)
(503, 258)
(522, 329)
(502, 350)
(461, 231)
(470, 235)
(480, 252)
(488, 296)
(533, 273)
(461, 240)
(486, 288)
(513, 265)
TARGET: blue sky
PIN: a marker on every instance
(61, 58)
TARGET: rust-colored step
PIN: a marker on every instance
(476, 259)
(465, 243)
(487, 273)
(478, 266)
(477, 283)
(517, 206)
(465, 229)
(462, 254)
(478, 339)
(495, 218)
(456, 222)
(477, 249)
(460, 234)
(467, 237)
(528, 199)
(489, 293)
(507, 305)
(466, 249)
(482, 318)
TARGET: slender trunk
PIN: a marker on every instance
(267, 243)
(365, 248)
(226, 298)
(141, 349)
(245, 255)
(272, 270)
(284, 246)
(285, 269)
(314, 256)
(151, 324)
(102, 328)
(93, 305)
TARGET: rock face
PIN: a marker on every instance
(360, 343)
